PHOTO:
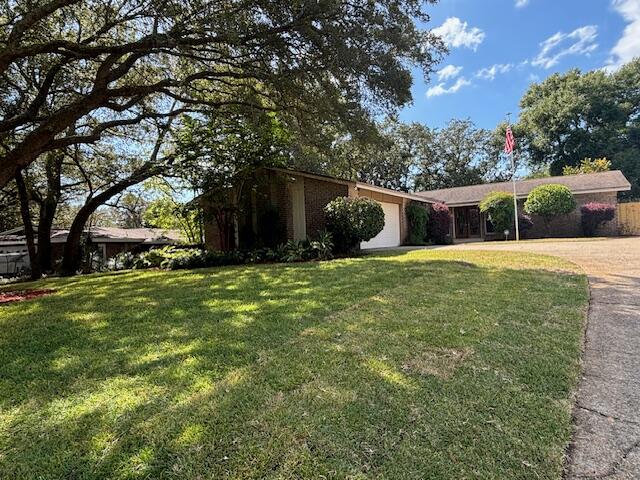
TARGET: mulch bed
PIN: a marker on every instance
(20, 295)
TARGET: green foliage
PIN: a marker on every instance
(412, 156)
(166, 212)
(549, 201)
(439, 224)
(588, 165)
(176, 258)
(418, 218)
(500, 210)
(323, 246)
(576, 115)
(324, 63)
(457, 155)
(353, 220)
(221, 156)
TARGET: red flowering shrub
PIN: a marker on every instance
(595, 214)
(439, 224)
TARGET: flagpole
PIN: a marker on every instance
(515, 199)
(513, 179)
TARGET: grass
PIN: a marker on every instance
(427, 364)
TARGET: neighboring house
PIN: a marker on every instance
(288, 204)
(109, 241)
(469, 223)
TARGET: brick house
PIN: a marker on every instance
(469, 223)
(289, 204)
(108, 241)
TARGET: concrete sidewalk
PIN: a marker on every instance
(606, 440)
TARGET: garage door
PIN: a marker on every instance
(390, 234)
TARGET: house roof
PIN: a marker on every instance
(613, 181)
(357, 184)
(150, 236)
(397, 193)
(344, 181)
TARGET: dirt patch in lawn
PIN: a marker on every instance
(20, 295)
(441, 363)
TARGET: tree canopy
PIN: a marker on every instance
(460, 154)
(71, 70)
(572, 116)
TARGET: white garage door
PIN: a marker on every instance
(390, 234)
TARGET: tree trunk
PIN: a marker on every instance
(28, 226)
(72, 256)
(48, 207)
(45, 223)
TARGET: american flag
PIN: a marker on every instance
(509, 142)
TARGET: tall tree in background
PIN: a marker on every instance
(412, 156)
(572, 116)
(127, 211)
(72, 70)
(460, 154)
(387, 157)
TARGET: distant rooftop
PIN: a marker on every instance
(613, 181)
(153, 236)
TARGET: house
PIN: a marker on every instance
(469, 223)
(108, 241)
(289, 204)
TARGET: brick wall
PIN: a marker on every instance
(317, 193)
(569, 225)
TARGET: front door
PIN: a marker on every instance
(467, 222)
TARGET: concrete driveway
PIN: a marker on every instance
(606, 441)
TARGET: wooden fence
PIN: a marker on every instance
(629, 218)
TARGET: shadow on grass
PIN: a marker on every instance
(293, 371)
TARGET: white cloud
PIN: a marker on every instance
(456, 33)
(489, 73)
(628, 46)
(442, 89)
(450, 71)
(521, 3)
(579, 42)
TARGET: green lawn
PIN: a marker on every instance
(428, 364)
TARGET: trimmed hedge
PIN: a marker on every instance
(353, 220)
(499, 209)
(418, 217)
(595, 214)
(550, 201)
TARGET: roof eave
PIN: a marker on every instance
(396, 193)
(524, 196)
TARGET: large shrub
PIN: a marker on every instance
(595, 214)
(353, 220)
(499, 209)
(439, 224)
(549, 201)
(418, 217)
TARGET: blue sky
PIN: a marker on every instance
(498, 47)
